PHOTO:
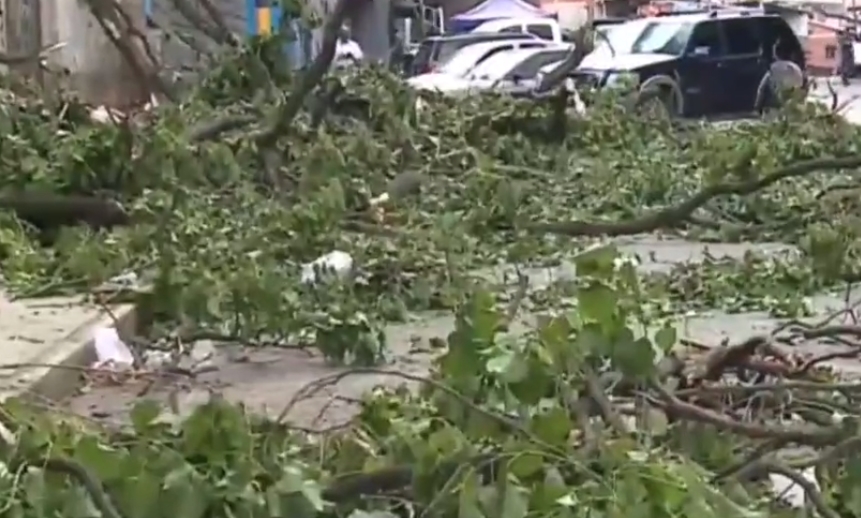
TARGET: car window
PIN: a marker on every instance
(664, 37)
(461, 67)
(530, 45)
(447, 49)
(779, 38)
(512, 28)
(529, 67)
(543, 31)
(742, 37)
(490, 54)
(705, 40)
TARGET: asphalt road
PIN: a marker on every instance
(848, 97)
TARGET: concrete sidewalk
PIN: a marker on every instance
(850, 95)
(36, 334)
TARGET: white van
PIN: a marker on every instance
(544, 28)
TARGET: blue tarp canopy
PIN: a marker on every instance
(492, 10)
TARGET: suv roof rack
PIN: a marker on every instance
(724, 12)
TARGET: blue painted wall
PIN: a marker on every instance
(298, 52)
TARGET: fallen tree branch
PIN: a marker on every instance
(671, 216)
(284, 116)
(118, 27)
(810, 490)
(677, 408)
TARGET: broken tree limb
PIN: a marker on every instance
(48, 211)
(674, 215)
(309, 79)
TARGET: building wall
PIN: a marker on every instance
(573, 14)
(821, 49)
(175, 54)
(95, 68)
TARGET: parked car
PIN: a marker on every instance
(471, 56)
(436, 50)
(544, 28)
(706, 64)
(513, 71)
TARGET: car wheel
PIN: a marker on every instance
(658, 101)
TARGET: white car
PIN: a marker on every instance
(469, 57)
(545, 28)
(513, 70)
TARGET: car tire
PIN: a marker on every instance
(659, 97)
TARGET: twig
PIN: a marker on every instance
(508, 423)
(605, 407)
(810, 489)
(814, 436)
(720, 359)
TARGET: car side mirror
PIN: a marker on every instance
(700, 52)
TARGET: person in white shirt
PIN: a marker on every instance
(347, 51)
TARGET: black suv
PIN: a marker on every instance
(713, 63)
(436, 50)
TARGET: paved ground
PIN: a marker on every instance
(848, 96)
(267, 379)
(45, 331)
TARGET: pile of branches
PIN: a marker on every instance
(219, 197)
(578, 417)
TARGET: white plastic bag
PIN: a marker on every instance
(336, 262)
(110, 349)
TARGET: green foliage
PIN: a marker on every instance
(564, 421)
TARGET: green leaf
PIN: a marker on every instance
(665, 338)
(514, 503)
(314, 494)
(273, 502)
(359, 513)
(144, 414)
(499, 362)
(526, 464)
(446, 440)
(596, 261)
(598, 303)
(511, 366)
(555, 337)
(291, 480)
(591, 340)
(635, 358)
(553, 426)
(467, 500)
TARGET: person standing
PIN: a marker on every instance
(847, 56)
(347, 51)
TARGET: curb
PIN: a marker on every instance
(58, 375)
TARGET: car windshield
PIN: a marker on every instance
(620, 36)
(665, 37)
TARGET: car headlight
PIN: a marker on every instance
(622, 79)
